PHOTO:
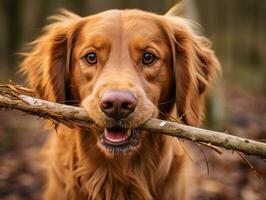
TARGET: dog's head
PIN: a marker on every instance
(123, 67)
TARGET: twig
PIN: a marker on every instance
(12, 97)
(215, 148)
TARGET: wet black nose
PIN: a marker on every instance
(118, 104)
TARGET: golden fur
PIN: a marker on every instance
(78, 166)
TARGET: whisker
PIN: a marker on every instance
(181, 117)
(166, 102)
(164, 114)
(169, 117)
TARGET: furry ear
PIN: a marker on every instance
(195, 65)
(46, 64)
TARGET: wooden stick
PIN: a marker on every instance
(11, 98)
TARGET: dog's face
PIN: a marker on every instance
(123, 67)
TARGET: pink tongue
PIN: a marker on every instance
(116, 136)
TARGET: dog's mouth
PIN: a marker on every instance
(119, 140)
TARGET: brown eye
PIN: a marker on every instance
(91, 58)
(148, 58)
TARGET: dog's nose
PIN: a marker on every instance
(118, 104)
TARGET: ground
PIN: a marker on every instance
(230, 175)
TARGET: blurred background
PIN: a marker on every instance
(237, 103)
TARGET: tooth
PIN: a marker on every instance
(129, 132)
(105, 132)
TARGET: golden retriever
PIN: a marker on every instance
(124, 67)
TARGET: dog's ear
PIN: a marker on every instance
(195, 65)
(46, 63)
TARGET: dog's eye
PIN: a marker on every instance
(148, 58)
(91, 58)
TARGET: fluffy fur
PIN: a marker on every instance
(78, 166)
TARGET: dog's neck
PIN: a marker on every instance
(89, 172)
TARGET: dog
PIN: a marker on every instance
(123, 67)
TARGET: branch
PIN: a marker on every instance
(16, 97)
